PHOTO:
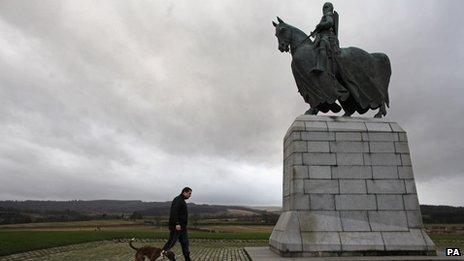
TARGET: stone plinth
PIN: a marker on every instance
(348, 189)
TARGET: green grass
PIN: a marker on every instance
(447, 237)
(20, 241)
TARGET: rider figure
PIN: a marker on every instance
(326, 41)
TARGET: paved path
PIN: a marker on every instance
(214, 250)
(265, 254)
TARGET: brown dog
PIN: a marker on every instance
(152, 253)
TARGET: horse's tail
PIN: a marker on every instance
(384, 66)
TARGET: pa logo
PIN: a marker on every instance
(453, 252)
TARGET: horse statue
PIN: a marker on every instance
(358, 80)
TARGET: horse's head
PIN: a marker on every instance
(283, 32)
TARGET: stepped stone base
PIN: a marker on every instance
(348, 189)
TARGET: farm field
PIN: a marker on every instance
(26, 237)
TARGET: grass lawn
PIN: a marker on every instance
(448, 240)
(20, 241)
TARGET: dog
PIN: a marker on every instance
(152, 253)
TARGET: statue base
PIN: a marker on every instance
(348, 189)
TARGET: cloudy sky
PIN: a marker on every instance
(136, 99)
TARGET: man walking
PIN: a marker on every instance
(178, 223)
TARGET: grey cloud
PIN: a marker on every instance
(117, 99)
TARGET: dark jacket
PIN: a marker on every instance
(179, 213)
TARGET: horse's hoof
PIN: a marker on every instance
(312, 111)
(346, 115)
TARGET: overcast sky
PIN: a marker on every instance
(136, 99)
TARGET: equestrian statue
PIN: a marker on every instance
(325, 73)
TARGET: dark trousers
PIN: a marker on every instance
(182, 236)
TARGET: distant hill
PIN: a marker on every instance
(12, 212)
(442, 214)
(116, 207)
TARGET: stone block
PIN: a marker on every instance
(402, 136)
(298, 126)
(401, 147)
(316, 126)
(283, 220)
(297, 186)
(320, 241)
(395, 127)
(385, 172)
(286, 203)
(390, 202)
(406, 159)
(385, 186)
(355, 202)
(388, 220)
(379, 159)
(350, 159)
(318, 146)
(411, 202)
(298, 146)
(381, 146)
(354, 221)
(349, 146)
(428, 242)
(414, 219)
(326, 186)
(346, 126)
(380, 136)
(286, 233)
(294, 159)
(299, 172)
(412, 240)
(293, 136)
(348, 136)
(361, 241)
(319, 172)
(410, 186)
(286, 185)
(299, 202)
(353, 186)
(286, 189)
(319, 158)
(405, 172)
(378, 127)
(322, 201)
(317, 136)
(313, 221)
(352, 172)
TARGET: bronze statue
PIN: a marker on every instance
(325, 73)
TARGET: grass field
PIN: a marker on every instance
(26, 237)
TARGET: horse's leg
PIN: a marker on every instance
(347, 114)
(382, 111)
(312, 111)
(347, 106)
